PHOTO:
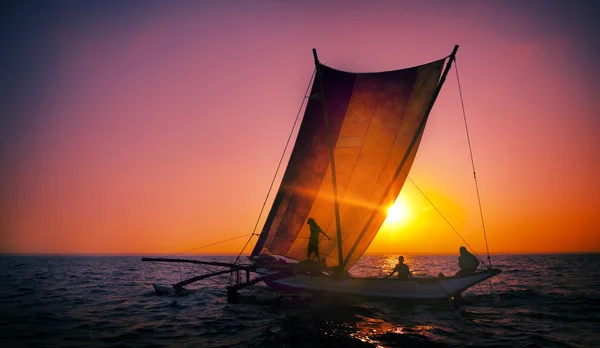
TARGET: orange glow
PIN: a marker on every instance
(424, 230)
(159, 131)
(398, 212)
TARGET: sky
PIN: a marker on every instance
(146, 127)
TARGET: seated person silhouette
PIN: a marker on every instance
(467, 263)
(402, 269)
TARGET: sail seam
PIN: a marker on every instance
(379, 89)
(363, 231)
(332, 159)
(420, 130)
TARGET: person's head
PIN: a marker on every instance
(462, 250)
(401, 259)
(310, 221)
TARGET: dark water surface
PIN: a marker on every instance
(538, 301)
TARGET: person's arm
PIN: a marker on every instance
(391, 273)
(325, 234)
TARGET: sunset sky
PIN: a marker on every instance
(156, 126)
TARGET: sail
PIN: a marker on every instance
(373, 118)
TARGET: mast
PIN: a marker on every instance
(333, 176)
(408, 151)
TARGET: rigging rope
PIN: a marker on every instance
(473, 165)
(442, 215)
(278, 165)
(269, 191)
(207, 245)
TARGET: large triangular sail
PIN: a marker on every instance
(375, 121)
(356, 144)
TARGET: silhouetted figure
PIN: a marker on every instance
(313, 241)
(467, 263)
(402, 269)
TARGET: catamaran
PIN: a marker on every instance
(354, 149)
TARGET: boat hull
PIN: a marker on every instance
(415, 289)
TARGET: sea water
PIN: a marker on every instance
(537, 301)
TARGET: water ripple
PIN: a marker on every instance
(108, 301)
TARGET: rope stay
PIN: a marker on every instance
(473, 165)
(268, 192)
(442, 215)
(207, 245)
(262, 209)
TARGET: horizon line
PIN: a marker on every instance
(4, 254)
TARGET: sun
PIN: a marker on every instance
(397, 212)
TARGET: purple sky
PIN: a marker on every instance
(157, 126)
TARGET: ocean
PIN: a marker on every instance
(98, 301)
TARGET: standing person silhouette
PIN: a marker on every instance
(313, 241)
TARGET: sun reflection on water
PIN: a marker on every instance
(380, 333)
(369, 328)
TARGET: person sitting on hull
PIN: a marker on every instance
(467, 263)
(313, 241)
(402, 269)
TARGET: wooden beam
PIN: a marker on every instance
(200, 277)
(209, 263)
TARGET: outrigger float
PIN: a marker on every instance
(355, 146)
(240, 272)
